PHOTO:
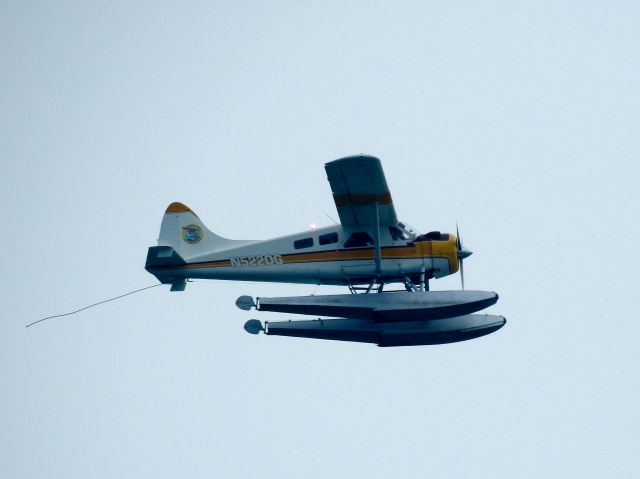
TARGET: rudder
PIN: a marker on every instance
(186, 234)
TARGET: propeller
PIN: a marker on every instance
(462, 254)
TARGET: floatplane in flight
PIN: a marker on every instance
(367, 252)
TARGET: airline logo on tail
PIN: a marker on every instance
(191, 234)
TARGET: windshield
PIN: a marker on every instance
(410, 232)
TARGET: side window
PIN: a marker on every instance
(303, 243)
(329, 238)
(358, 239)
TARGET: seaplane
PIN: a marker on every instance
(369, 252)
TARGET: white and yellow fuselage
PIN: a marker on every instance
(369, 246)
(332, 255)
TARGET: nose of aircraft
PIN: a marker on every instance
(464, 253)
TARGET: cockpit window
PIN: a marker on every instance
(359, 239)
(408, 230)
(397, 234)
(303, 243)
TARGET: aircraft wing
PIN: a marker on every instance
(357, 182)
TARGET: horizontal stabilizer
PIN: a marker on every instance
(160, 260)
(402, 306)
(163, 256)
(415, 333)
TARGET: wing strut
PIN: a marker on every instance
(377, 239)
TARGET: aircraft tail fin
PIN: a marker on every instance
(183, 239)
(182, 230)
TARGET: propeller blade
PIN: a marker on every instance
(462, 254)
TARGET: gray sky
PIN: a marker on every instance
(519, 120)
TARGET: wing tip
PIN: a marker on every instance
(352, 159)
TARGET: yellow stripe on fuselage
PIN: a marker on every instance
(422, 250)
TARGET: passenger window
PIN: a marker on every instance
(329, 238)
(303, 243)
(359, 239)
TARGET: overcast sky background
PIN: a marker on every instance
(519, 120)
